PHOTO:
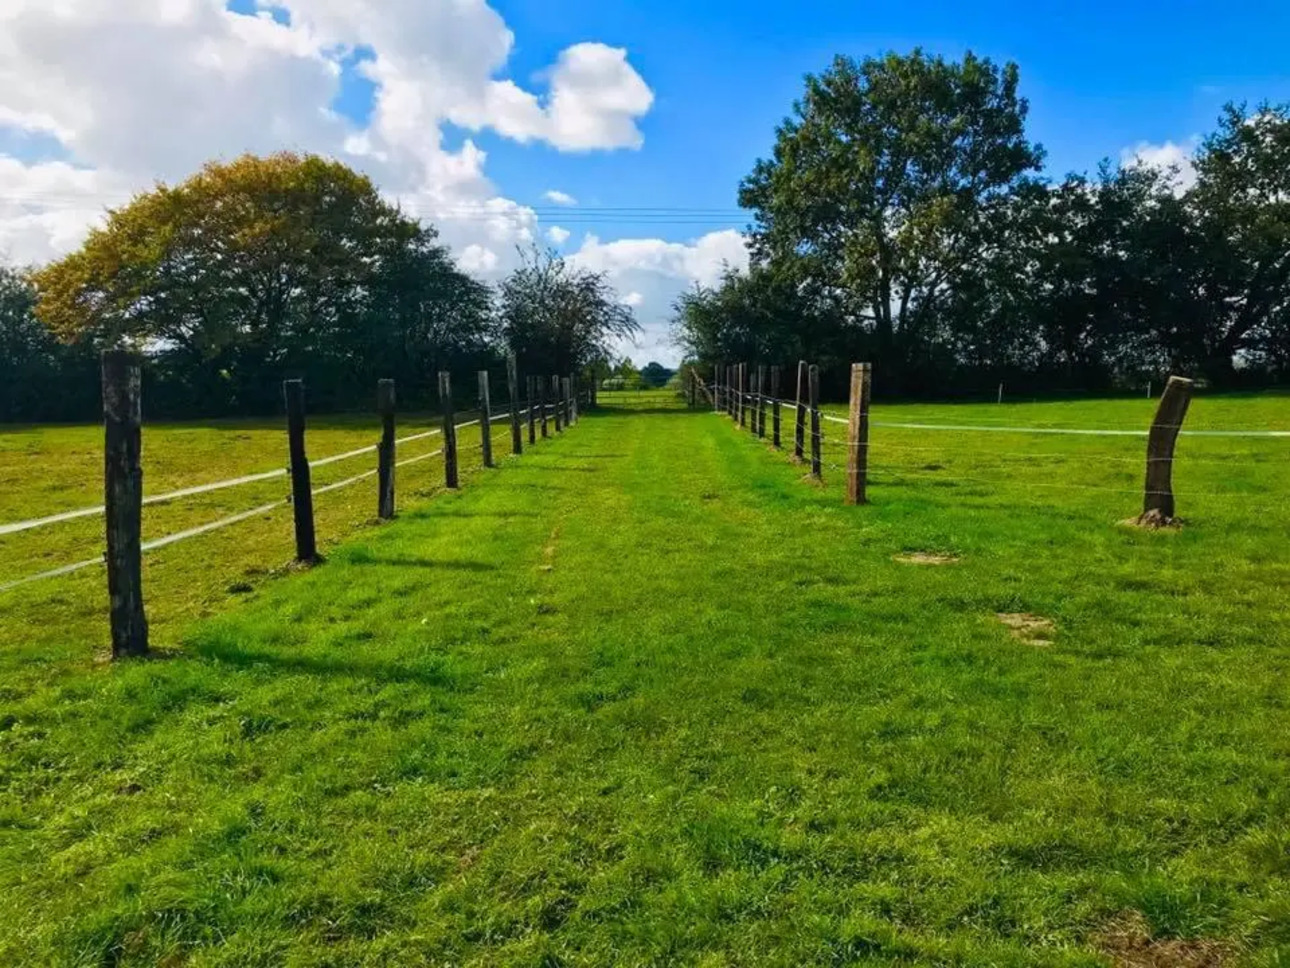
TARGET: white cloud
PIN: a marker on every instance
(654, 272)
(1167, 156)
(132, 92)
(151, 89)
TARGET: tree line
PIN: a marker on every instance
(903, 219)
(267, 268)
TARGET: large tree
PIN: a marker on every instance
(558, 318)
(881, 184)
(258, 268)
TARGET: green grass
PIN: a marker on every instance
(646, 696)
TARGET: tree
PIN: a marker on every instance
(881, 185)
(655, 375)
(1238, 276)
(40, 379)
(255, 269)
(558, 318)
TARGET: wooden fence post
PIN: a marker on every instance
(774, 406)
(716, 389)
(513, 385)
(1158, 504)
(449, 430)
(573, 397)
(302, 497)
(385, 452)
(485, 419)
(566, 387)
(532, 405)
(541, 385)
(814, 380)
(743, 394)
(761, 401)
(858, 434)
(123, 502)
(727, 392)
(799, 432)
(557, 405)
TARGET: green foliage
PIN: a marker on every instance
(40, 379)
(558, 318)
(899, 220)
(557, 718)
(263, 268)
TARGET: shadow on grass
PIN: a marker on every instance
(445, 564)
(241, 657)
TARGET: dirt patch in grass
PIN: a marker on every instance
(1127, 941)
(1153, 521)
(926, 558)
(1029, 628)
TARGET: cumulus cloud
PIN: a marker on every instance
(1169, 156)
(119, 95)
(653, 272)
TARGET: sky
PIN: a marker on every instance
(615, 131)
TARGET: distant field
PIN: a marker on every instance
(646, 696)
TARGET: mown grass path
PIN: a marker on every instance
(643, 696)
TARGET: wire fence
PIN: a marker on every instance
(913, 453)
(500, 421)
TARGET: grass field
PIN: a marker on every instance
(645, 696)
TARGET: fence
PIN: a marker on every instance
(124, 501)
(743, 394)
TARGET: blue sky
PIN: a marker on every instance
(1099, 76)
(622, 104)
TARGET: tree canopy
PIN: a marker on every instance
(902, 219)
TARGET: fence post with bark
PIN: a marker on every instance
(858, 434)
(449, 431)
(385, 402)
(816, 441)
(123, 502)
(302, 497)
(1158, 508)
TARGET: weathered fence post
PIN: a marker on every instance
(743, 394)
(532, 407)
(485, 419)
(1158, 504)
(566, 386)
(799, 431)
(541, 385)
(729, 392)
(513, 385)
(123, 502)
(573, 397)
(858, 434)
(774, 405)
(449, 430)
(385, 452)
(761, 401)
(302, 497)
(716, 389)
(816, 440)
(557, 404)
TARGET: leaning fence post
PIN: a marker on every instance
(449, 431)
(485, 419)
(302, 498)
(799, 431)
(513, 385)
(385, 452)
(123, 502)
(858, 434)
(814, 380)
(1158, 504)
(774, 405)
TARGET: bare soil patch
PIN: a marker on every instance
(926, 558)
(1029, 628)
(1128, 942)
